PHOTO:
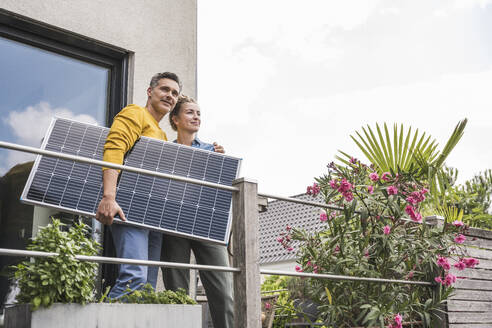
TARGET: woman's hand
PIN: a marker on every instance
(218, 148)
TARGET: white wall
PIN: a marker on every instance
(281, 266)
(161, 34)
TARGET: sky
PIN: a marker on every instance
(283, 84)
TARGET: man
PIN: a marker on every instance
(128, 126)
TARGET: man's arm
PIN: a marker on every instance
(108, 207)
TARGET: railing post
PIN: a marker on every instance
(247, 298)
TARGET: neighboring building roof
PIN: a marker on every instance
(279, 214)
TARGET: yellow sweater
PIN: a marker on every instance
(128, 126)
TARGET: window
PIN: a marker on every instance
(45, 71)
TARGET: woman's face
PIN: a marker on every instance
(188, 118)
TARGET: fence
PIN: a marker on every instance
(471, 303)
(247, 307)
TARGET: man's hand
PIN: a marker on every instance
(107, 209)
(218, 148)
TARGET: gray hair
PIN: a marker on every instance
(166, 75)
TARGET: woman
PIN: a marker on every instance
(185, 119)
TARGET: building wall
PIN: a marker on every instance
(160, 34)
(281, 266)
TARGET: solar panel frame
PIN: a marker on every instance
(93, 188)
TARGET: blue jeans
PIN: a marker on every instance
(140, 244)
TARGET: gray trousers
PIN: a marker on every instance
(218, 285)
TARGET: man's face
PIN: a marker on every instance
(163, 96)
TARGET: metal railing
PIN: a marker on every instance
(247, 307)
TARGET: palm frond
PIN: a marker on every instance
(394, 151)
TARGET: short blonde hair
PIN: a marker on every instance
(183, 99)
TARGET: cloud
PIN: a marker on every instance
(30, 125)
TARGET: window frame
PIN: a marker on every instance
(41, 35)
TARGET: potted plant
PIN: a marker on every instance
(60, 291)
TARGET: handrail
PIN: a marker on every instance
(49, 153)
(115, 260)
(339, 277)
(75, 158)
(301, 201)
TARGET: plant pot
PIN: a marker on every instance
(105, 315)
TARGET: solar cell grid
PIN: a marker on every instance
(157, 203)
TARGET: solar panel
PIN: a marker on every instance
(166, 205)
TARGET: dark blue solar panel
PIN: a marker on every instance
(168, 205)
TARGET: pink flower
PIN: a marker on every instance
(457, 223)
(288, 228)
(298, 268)
(308, 263)
(443, 262)
(410, 275)
(290, 249)
(370, 189)
(374, 176)
(313, 190)
(386, 176)
(459, 239)
(333, 184)
(280, 239)
(353, 160)
(449, 279)
(410, 210)
(345, 186)
(348, 196)
(438, 279)
(392, 190)
(315, 269)
(323, 217)
(417, 197)
(460, 265)
(386, 229)
(418, 218)
(415, 216)
(397, 322)
(337, 249)
(471, 262)
(398, 319)
(268, 306)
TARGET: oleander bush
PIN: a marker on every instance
(376, 229)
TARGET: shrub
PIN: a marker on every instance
(147, 295)
(380, 233)
(46, 280)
